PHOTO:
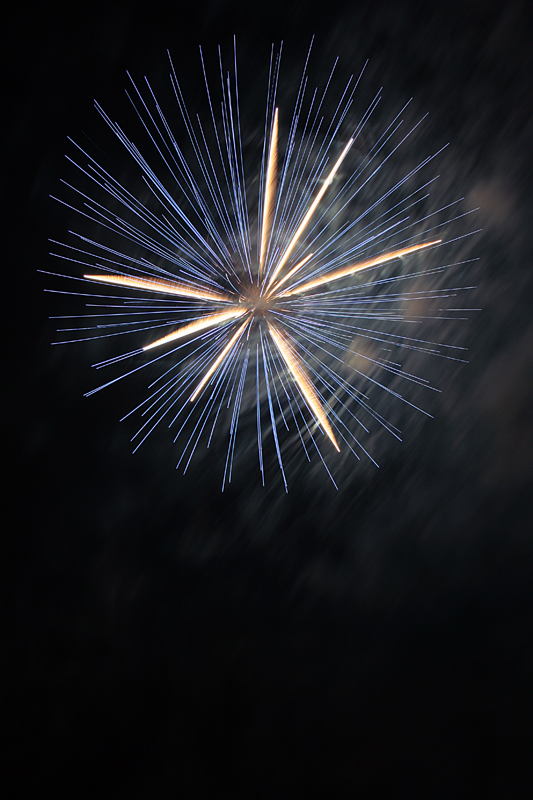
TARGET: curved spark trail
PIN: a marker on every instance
(191, 271)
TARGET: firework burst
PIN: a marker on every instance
(262, 318)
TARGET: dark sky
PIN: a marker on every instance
(165, 637)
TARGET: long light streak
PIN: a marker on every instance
(195, 327)
(275, 289)
(218, 361)
(313, 207)
(164, 287)
(270, 193)
(347, 271)
(302, 381)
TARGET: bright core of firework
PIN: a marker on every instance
(293, 295)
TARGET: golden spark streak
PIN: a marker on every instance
(195, 327)
(220, 358)
(270, 192)
(302, 380)
(345, 271)
(165, 287)
(310, 212)
(295, 269)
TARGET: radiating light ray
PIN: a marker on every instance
(165, 287)
(235, 422)
(223, 387)
(266, 370)
(314, 205)
(275, 289)
(279, 367)
(195, 327)
(218, 361)
(258, 418)
(270, 193)
(304, 384)
(351, 270)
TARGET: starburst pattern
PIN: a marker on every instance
(260, 318)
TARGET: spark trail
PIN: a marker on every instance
(191, 271)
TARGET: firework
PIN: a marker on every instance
(260, 314)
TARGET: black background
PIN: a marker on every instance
(165, 637)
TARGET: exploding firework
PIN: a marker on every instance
(267, 312)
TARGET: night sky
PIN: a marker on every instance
(165, 637)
